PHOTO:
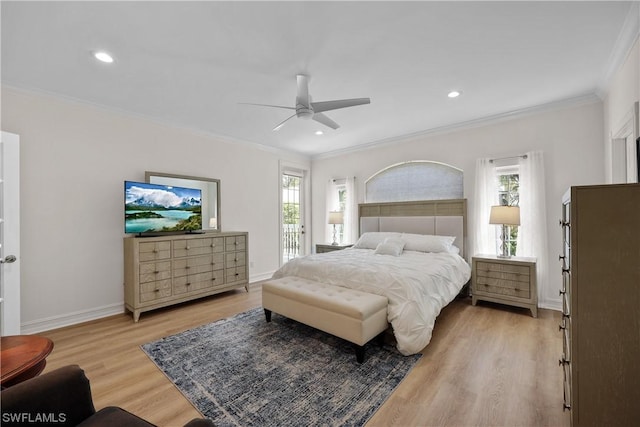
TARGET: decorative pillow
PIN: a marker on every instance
(372, 239)
(427, 242)
(390, 246)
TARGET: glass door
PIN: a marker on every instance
(292, 213)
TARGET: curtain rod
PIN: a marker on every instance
(523, 156)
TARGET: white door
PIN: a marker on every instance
(292, 213)
(9, 234)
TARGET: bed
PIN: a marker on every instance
(410, 252)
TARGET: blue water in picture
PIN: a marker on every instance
(170, 219)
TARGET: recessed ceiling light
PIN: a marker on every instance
(103, 57)
(454, 94)
(319, 132)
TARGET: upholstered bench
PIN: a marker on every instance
(350, 314)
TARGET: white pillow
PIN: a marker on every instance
(390, 246)
(427, 242)
(372, 239)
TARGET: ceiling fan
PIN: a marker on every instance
(307, 109)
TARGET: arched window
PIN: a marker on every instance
(415, 180)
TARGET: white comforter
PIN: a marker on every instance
(417, 285)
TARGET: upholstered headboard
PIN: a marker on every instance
(437, 217)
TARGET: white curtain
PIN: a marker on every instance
(532, 234)
(350, 212)
(332, 204)
(486, 195)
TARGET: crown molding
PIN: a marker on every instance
(624, 43)
(589, 98)
(129, 114)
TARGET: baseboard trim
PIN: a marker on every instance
(60, 321)
(70, 319)
(259, 277)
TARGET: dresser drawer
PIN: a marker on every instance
(235, 243)
(192, 247)
(152, 251)
(235, 259)
(235, 274)
(196, 282)
(153, 291)
(153, 271)
(194, 265)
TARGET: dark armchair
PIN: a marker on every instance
(63, 398)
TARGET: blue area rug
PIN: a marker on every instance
(243, 371)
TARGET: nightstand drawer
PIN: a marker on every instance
(503, 271)
(503, 287)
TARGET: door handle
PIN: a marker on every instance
(8, 259)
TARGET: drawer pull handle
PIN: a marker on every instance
(156, 272)
(213, 279)
(156, 290)
(188, 284)
(237, 274)
(155, 251)
(187, 248)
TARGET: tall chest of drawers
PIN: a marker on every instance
(166, 270)
(601, 304)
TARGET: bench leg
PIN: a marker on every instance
(360, 353)
(267, 314)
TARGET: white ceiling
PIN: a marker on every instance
(190, 64)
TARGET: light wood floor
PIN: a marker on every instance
(488, 365)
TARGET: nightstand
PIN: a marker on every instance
(320, 249)
(510, 281)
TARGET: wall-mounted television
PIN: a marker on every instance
(156, 208)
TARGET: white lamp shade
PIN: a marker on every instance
(336, 217)
(505, 215)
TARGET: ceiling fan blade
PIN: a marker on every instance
(268, 105)
(302, 97)
(283, 122)
(319, 107)
(321, 118)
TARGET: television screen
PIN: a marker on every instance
(152, 208)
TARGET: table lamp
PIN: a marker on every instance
(336, 217)
(504, 215)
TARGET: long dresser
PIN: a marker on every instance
(601, 304)
(166, 270)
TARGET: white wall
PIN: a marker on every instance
(74, 159)
(570, 137)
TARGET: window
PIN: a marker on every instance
(509, 195)
(341, 196)
(338, 198)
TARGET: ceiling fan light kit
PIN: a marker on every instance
(308, 110)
